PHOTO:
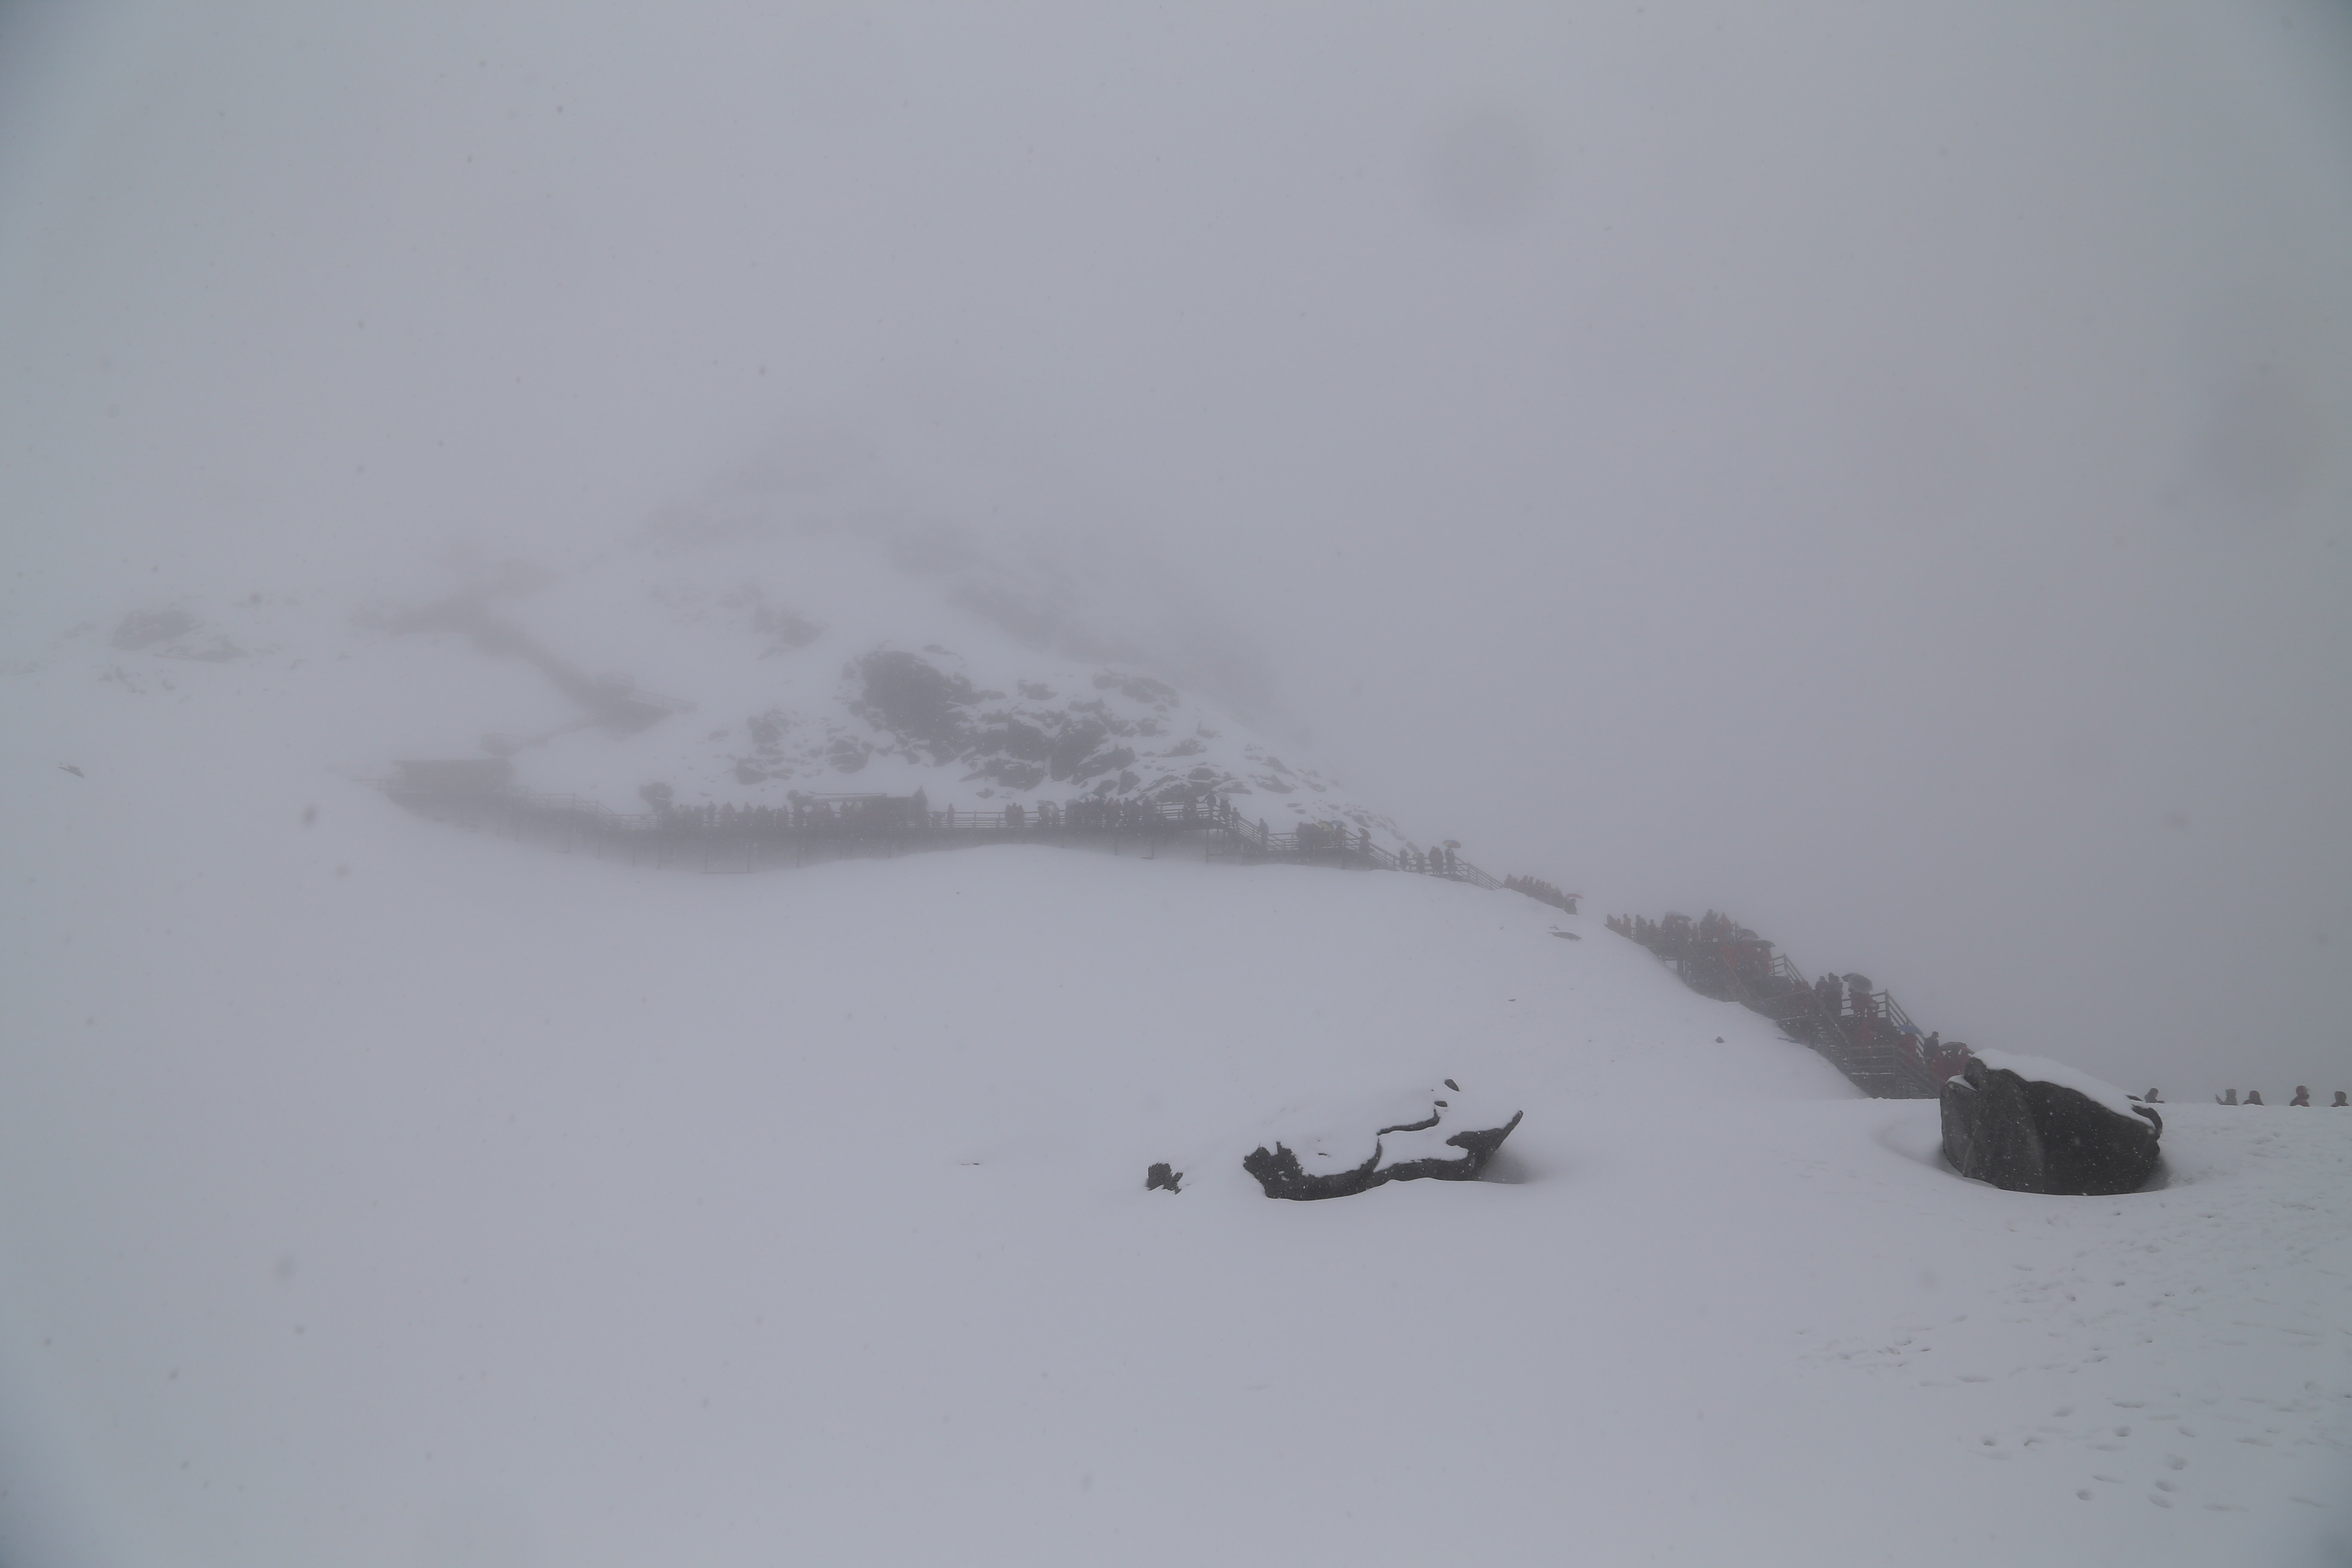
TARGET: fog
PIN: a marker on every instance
(1881, 472)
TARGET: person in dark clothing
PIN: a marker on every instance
(2341, 1103)
(2302, 1096)
(2254, 1097)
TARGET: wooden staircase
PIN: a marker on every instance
(1869, 1038)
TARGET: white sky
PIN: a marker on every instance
(1884, 469)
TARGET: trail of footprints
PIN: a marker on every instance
(2146, 1436)
(2175, 1283)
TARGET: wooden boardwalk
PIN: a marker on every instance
(1862, 1032)
(727, 839)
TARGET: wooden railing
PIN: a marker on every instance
(1866, 1035)
(834, 827)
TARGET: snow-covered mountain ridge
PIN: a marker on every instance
(743, 668)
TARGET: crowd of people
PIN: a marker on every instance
(800, 814)
(668, 823)
(1542, 892)
(875, 814)
(1437, 861)
(868, 814)
(2254, 1097)
(1719, 957)
(1333, 836)
(1715, 944)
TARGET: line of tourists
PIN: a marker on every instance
(888, 816)
(2254, 1097)
(1717, 956)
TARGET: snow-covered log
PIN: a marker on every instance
(1453, 1144)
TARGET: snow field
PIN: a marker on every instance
(377, 1193)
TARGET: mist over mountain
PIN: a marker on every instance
(1875, 473)
(1705, 457)
(779, 640)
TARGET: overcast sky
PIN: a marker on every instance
(1883, 470)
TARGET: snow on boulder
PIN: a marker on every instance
(2036, 1126)
(1333, 1151)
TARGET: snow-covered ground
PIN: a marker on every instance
(372, 1192)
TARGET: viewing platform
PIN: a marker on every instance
(479, 794)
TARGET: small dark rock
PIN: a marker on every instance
(1160, 1175)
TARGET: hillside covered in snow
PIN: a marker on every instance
(373, 1192)
(700, 658)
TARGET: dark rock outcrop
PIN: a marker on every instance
(1460, 1157)
(2032, 1136)
(1163, 1176)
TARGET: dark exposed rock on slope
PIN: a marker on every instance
(973, 680)
(1120, 733)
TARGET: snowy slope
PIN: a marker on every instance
(741, 662)
(374, 1193)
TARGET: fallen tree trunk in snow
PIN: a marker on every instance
(1407, 1151)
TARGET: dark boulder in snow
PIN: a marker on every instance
(1453, 1144)
(2032, 1126)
